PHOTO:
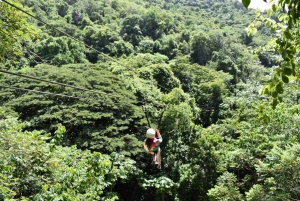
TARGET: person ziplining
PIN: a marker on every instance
(151, 145)
(153, 139)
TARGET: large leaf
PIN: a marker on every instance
(246, 3)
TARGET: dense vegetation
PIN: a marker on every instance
(190, 66)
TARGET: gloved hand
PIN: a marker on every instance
(157, 133)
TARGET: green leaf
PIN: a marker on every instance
(273, 27)
(269, 12)
(284, 54)
(274, 7)
(285, 79)
(266, 119)
(287, 71)
(274, 103)
(280, 17)
(288, 35)
(279, 88)
(274, 94)
(293, 67)
(266, 91)
(251, 31)
(246, 3)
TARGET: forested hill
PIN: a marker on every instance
(121, 28)
(78, 96)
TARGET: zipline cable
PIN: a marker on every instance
(66, 85)
(62, 95)
(68, 35)
(27, 50)
(64, 33)
(62, 84)
(43, 92)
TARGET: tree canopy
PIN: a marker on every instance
(15, 32)
(283, 19)
(73, 117)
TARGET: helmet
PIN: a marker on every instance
(150, 133)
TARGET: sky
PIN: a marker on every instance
(258, 4)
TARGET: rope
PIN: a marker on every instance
(144, 109)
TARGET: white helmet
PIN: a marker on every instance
(150, 133)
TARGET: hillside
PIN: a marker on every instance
(78, 96)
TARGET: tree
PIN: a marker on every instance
(209, 87)
(278, 173)
(131, 30)
(31, 168)
(182, 70)
(57, 51)
(286, 44)
(199, 174)
(119, 48)
(225, 189)
(15, 31)
(169, 46)
(251, 147)
(225, 64)
(201, 51)
(109, 117)
(100, 37)
(150, 24)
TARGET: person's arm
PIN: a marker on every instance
(158, 136)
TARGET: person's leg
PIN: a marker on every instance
(158, 158)
(155, 157)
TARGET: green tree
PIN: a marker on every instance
(286, 43)
(249, 142)
(119, 48)
(279, 172)
(169, 46)
(30, 169)
(15, 32)
(225, 189)
(131, 30)
(224, 63)
(109, 117)
(200, 173)
(201, 51)
(150, 25)
(183, 71)
(57, 51)
(100, 38)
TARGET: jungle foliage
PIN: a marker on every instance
(189, 66)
